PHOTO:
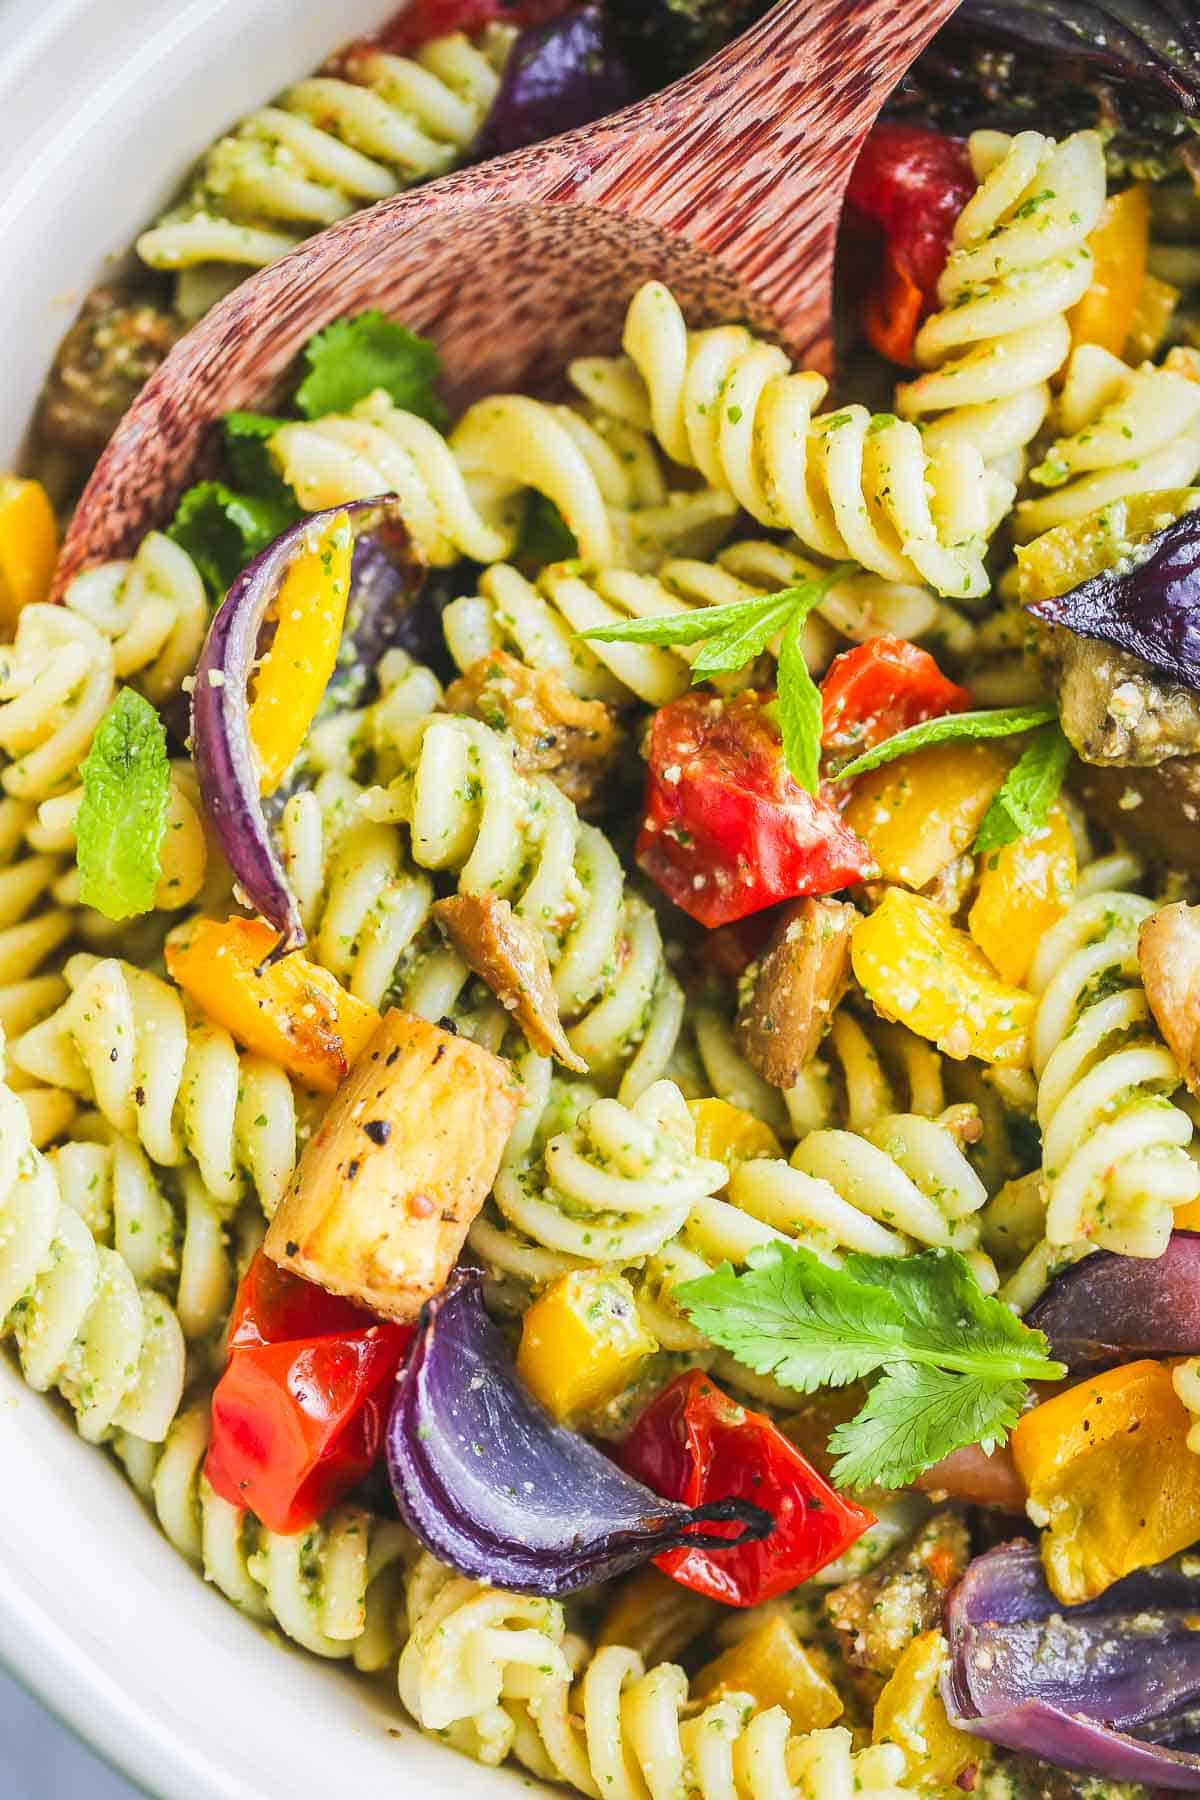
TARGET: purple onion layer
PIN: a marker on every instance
(1111, 1309)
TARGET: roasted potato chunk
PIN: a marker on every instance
(386, 1191)
(1169, 954)
(790, 993)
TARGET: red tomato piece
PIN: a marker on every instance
(879, 688)
(298, 1415)
(273, 1305)
(726, 830)
(912, 184)
(425, 19)
(693, 1443)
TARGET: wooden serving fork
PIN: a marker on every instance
(727, 185)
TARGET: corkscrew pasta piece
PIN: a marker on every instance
(1018, 260)
(370, 125)
(540, 622)
(123, 1041)
(1119, 431)
(851, 486)
(80, 1320)
(469, 812)
(463, 495)
(1115, 1161)
(335, 1589)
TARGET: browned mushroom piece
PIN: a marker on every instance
(789, 994)
(876, 1616)
(1169, 954)
(111, 350)
(510, 957)
(573, 741)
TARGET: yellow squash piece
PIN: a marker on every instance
(294, 672)
(774, 1668)
(1060, 559)
(388, 1186)
(582, 1341)
(1024, 888)
(730, 1134)
(915, 966)
(28, 545)
(1155, 310)
(1119, 246)
(1110, 1477)
(293, 1012)
(918, 813)
(910, 1713)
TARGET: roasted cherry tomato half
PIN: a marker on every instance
(879, 688)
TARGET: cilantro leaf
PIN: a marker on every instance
(247, 436)
(1001, 721)
(352, 357)
(123, 815)
(912, 1412)
(799, 707)
(954, 1360)
(222, 530)
(1029, 790)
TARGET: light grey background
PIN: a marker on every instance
(40, 1760)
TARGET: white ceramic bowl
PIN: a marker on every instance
(105, 103)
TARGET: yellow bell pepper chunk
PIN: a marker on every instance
(1155, 310)
(909, 1712)
(293, 1013)
(774, 1668)
(1024, 889)
(918, 813)
(1061, 558)
(1119, 245)
(294, 672)
(730, 1134)
(28, 545)
(915, 966)
(655, 1616)
(581, 1341)
(1110, 1477)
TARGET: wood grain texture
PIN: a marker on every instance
(727, 186)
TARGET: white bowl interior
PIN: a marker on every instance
(105, 104)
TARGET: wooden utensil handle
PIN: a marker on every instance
(749, 157)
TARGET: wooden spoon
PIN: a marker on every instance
(727, 186)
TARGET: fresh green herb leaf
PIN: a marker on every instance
(1002, 721)
(123, 815)
(545, 535)
(247, 439)
(911, 1408)
(1029, 791)
(352, 357)
(954, 1360)
(799, 705)
(222, 530)
(738, 645)
(691, 627)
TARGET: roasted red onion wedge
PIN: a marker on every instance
(1110, 1688)
(387, 578)
(490, 1484)
(1112, 1309)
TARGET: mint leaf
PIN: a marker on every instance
(694, 626)
(799, 707)
(352, 357)
(123, 816)
(914, 1416)
(739, 644)
(954, 1360)
(222, 530)
(1029, 791)
(247, 437)
(1003, 721)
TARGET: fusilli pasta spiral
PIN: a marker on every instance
(336, 1589)
(852, 487)
(462, 495)
(1018, 261)
(80, 1320)
(123, 1040)
(329, 145)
